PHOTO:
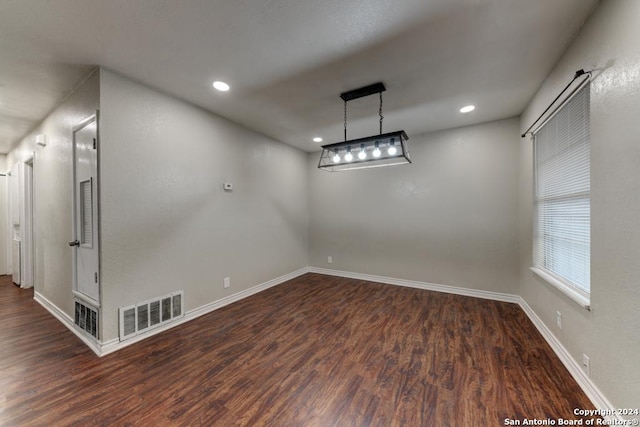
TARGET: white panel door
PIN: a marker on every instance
(85, 207)
(26, 226)
(15, 177)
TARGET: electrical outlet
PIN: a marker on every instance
(330, 259)
(227, 282)
(559, 319)
(586, 364)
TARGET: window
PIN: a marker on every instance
(86, 213)
(562, 202)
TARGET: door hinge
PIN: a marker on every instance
(96, 277)
(94, 143)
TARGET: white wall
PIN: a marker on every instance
(449, 218)
(610, 333)
(167, 224)
(52, 192)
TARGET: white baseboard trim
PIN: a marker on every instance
(495, 296)
(115, 344)
(67, 321)
(586, 384)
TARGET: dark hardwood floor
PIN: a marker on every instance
(315, 351)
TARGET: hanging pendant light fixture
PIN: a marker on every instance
(387, 149)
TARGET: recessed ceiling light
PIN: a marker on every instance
(467, 109)
(317, 139)
(221, 86)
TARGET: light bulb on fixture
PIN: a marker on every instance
(376, 151)
(392, 148)
(336, 158)
(348, 157)
(362, 154)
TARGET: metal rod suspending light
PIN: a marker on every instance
(380, 113)
(345, 120)
(394, 143)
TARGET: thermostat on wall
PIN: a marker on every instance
(227, 186)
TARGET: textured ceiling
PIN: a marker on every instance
(287, 61)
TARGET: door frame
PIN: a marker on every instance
(82, 124)
(4, 226)
(28, 223)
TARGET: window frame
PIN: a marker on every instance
(578, 295)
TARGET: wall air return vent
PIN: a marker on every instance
(86, 318)
(144, 316)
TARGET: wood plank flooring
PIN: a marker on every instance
(314, 351)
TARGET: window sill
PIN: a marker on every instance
(583, 301)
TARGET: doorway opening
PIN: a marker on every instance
(27, 248)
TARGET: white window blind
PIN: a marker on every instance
(562, 210)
